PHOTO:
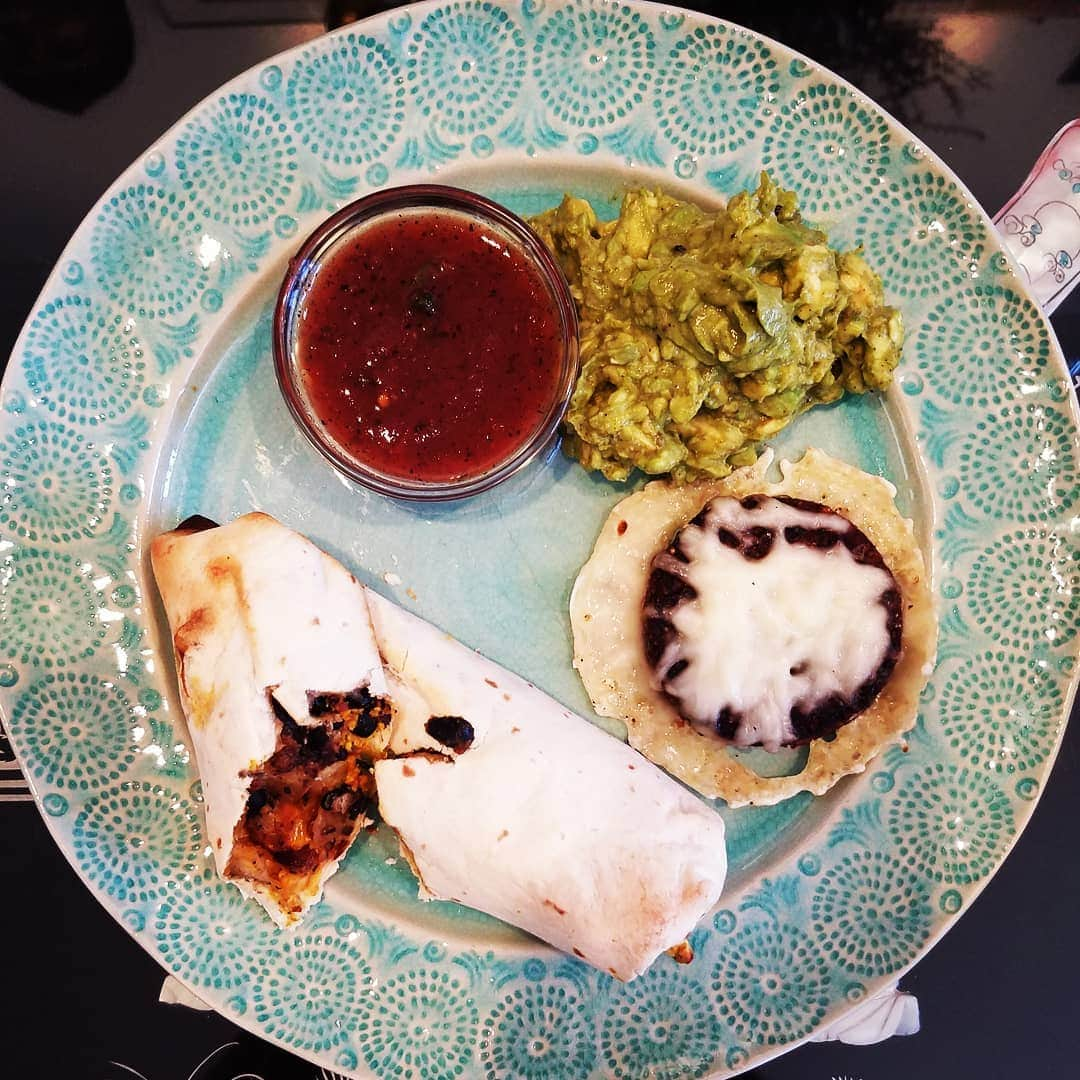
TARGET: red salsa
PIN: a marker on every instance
(429, 346)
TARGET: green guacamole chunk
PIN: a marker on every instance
(704, 333)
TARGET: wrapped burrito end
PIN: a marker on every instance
(282, 685)
(614, 891)
(537, 817)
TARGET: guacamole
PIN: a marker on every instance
(703, 333)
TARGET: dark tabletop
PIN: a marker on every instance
(86, 86)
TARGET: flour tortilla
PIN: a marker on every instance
(254, 608)
(544, 821)
(606, 617)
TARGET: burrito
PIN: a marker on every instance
(507, 802)
(283, 688)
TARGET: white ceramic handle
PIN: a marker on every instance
(1041, 222)
(889, 1012)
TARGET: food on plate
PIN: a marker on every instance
(310, 698)
(283, 688)
(705, 332)
(770, 621)
(507, 802)
(432, 336)
(749, 612)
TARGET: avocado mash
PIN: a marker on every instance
(703, 333)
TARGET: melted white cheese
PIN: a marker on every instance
(792, 628)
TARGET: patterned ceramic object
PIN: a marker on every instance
(141, 391)
(1041, 222)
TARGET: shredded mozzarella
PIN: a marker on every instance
(762, 636)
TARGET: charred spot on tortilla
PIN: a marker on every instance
(454, 732)
(431, 756)
(221, 567)
(196, 523)
(684, 635)
(305, 799)
(192, 630)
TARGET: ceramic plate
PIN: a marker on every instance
(142, 390)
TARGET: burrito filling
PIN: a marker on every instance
(770, 621)
(308, 799)
(454, 732)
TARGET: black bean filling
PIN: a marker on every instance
(304, 800)
(454, 732)
(666, 591)
(363, 713)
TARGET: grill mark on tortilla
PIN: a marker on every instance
(200, 702)
(226, 569)
(199, 622)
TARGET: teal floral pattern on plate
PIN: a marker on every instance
(237, 162)
(593, 63)
(728, 78)
(1024, 589)
(122, 412)
(971, 339)
(661, 1025)
(828, 146)
(50, 610)
(917, 222)
(466, 66)
(83, 360)
(871, 913)
(144, 248)
(538, 1029)
(310, 996)
(82, 732)
(772, 982)
(345, 99)
(952, 823)
(137, 841)
(57, 486)
(1034, 441)
(424, 1023)
(206, 933)
(1009, 722)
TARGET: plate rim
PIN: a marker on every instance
(380, 21)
